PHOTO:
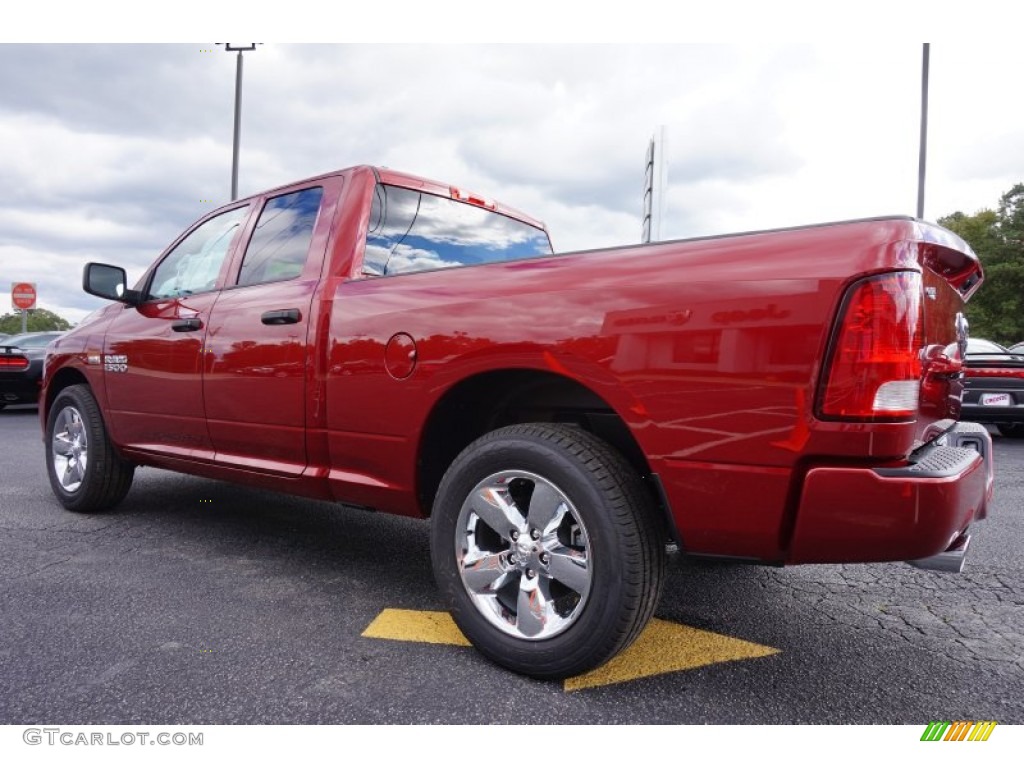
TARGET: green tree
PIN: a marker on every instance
(38, 320)
(996, 311)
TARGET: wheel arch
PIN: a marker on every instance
(61, 380)
(487, 401)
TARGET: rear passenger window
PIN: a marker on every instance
(280, 242)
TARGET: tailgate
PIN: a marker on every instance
(951, 274)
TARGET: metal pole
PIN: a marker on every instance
(24, 321)
(238, 110)
(238, 127)
(924, 132)
(659, 183)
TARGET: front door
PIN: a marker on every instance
(153, 353)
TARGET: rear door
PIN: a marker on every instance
(258, 356)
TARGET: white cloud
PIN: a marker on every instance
(110, 152)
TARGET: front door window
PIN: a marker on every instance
(194, 264)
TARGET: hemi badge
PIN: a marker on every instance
(93, 359)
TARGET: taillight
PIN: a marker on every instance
(13, 363)
(998, 373)
(874, 365)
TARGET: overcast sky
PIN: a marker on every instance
(109, 151)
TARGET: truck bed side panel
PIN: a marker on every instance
(708, 350)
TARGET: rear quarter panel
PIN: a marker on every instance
(709, 350)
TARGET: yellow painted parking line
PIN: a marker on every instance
(416, 627)
(663, 647)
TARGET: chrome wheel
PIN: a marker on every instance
(523, 555)
(83, 466)
(69, 449)
(546, 547)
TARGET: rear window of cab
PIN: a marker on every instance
(411, 231)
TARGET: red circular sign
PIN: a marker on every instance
(23, 295)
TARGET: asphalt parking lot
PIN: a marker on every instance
(204, 602)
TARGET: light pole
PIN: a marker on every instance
(922, 156)
(229, 47)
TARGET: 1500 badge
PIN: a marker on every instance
(115, 363)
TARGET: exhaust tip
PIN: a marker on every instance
(950, 561)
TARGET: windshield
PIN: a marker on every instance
(984, 347)
(29, 340)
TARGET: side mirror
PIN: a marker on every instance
(108, 282)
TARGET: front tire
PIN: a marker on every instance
(547, 549)
(85, 472)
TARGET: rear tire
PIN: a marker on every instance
(85, 472)
(1011, 430)
(546, 547)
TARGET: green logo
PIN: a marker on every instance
(958, 730)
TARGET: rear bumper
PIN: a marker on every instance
(910, 512)
(988, 414)
(21, 387)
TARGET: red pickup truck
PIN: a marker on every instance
(389, 342)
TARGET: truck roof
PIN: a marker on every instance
(411, 181)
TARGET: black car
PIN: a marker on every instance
(994, 387)
(21, 367)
